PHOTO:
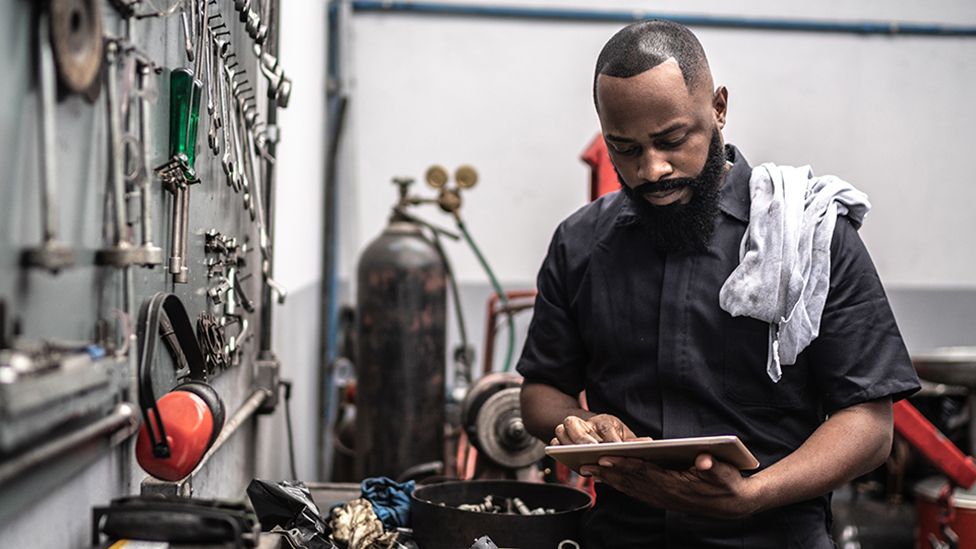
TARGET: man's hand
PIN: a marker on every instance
(598, 428)
(711, 488)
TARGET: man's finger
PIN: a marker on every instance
(610, 431)
(588, 470)
(704, 462)
(562, 436)
(626, 433)
(580, 431)
(718, 473)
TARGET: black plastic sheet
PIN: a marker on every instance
(289, 506)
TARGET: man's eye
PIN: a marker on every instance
(669, 145)
(625, 151)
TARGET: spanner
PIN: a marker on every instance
(52, 254)
(150, 254)
(122, 253)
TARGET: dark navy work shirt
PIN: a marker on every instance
(642, 332)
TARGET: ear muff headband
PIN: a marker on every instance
(149, 320)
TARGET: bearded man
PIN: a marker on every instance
(709, 298)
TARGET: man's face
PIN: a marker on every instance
(657, 130)
(666, 146)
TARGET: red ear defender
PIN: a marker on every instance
(188, 424)
(181, 426)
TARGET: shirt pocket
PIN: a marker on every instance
(745, 381)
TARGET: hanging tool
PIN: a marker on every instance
(52, 254)
(279, 85)
(255, 28)
(122, 253)
(150, 254)
(185, 93)
(177, 173)
(76, 38)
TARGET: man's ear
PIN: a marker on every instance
(720, 105)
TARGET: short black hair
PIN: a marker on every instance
(644, 45)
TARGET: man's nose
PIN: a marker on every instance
(654, 166)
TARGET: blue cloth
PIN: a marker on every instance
(390, 499)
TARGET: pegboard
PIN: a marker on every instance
(90, 303)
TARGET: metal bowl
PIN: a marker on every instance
(949, 365)
(438, 524)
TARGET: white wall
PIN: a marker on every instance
(298, 238)
(512, 97)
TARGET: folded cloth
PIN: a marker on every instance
(391, 500)
(784, 258)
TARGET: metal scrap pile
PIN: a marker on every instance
(504, 506)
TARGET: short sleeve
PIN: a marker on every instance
(859, 354)
(554, 353)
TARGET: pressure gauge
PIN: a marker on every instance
(436, 176)
(466, 177)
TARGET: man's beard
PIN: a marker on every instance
(683, 227)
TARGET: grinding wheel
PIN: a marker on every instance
(483, 388)
(502, 436)
(76, 38)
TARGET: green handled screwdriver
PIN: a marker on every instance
(184, 115)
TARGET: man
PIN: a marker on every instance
(628, 310)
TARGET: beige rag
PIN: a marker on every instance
(356, 525)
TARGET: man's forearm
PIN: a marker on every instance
(544, 407)
(850, 443)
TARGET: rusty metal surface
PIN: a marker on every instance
(401, 328)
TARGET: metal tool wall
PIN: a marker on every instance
(76, 261)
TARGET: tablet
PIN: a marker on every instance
(674, 453)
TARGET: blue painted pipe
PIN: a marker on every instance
(891, 28)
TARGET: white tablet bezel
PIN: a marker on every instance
(675, 453)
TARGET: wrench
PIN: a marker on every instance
(51, 255)
(121, 253)
(151, 254)
(187, 36)
(264, 242)
(226, 162)
(242, 167)
(212, 110)
(255, 171)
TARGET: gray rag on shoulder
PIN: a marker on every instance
(784, 258)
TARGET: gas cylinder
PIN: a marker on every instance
(401, 341)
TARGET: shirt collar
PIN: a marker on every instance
(733, 196)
